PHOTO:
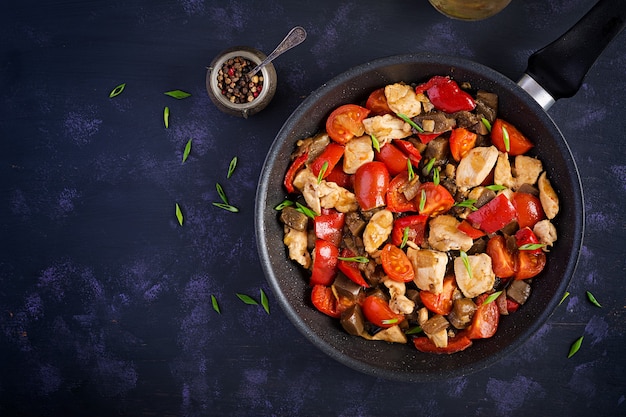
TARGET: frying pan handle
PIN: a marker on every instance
(560, 67)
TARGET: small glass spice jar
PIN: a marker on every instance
(232, 90)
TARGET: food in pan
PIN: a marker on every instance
(420, 215)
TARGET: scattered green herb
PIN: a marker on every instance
(265, 302)
(564, 297)
(227, 207)
(166, 117)
(232, 166)
(359, 259)
(575, 347)
(179, 214)
(436, 176)
(305, 210)
(486, 123)
(117, 90)
(414, 330)
(469, 203)
(429, 166)
(466, 262)
(409, 167)
(221, 193)
(178, 94)
(405, 237)
(284, 204)
(496, 187)
(390, 321)
(215, 305)
(187, 150)
(505, 138)
(492, 297)
(247, 299)
(409, 121)
(375, 143)
(531, 246)
(422, 200)
(593, 299)
(322, 172)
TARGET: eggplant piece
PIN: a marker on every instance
(352, 320)
(435, 324)
(293, 218)
(462, 313)
(487, 105)
(355, 223)
(438, 148)
(439, 121)
(344, 287)
(518, 291)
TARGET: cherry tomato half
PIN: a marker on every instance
(528, 264)
(377, 311)
(529, 209)
(518, 143)
(437, 199)
(440, 303)
(461, 142)
(371, 182)
(393, 158)
(455, 344)
(502, 259)
(485, 321)
(396, 200)
(396, 264)
(377, 103)
(416, 225)
(346, 122)
(324, 300)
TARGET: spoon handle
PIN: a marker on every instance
(295, 37)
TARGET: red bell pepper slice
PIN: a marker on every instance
(446, 95)
(324, 300)
(469, 230)
(330, 156)
(351, 269)
(340, 178)
(393, 158)
(417, 229)
(293, 170)
(325, 263)
(494, 215)
(427, 137)
(455, 344)
(526, 236)
(409, 150)
(329, 226)
(511, 306)
(440, 303)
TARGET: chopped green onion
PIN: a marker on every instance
(178, 94)
(215, 305)
(505, 138)
(227, 207)
(166, 117)
(492, 297)
(414, 330)
(265, 302)
(221, 193)
(575, 347)
(496, 187)
(405, 237)
(305, 210)
(593, 299)
(390, 321)
(179, 214)
(247, 299)
(231, 167)
(359, 259)
(117, 90)
(284, 204)
(531, 246)
(430, 165)
(466, 262)
(409, 121)
(409, 167)
(436, 176)
(375, 143)
(486, 123)
(564, 297)
(469, 203)
(323, 170)
(187, 150)
(422, 201)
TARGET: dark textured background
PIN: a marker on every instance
(105, 300)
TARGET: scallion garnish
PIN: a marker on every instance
(221, 193)
(187, 150)
(284, 204)
(179, 214)
(166, 117)
(436, 176)
(531, 246)
(414, 330)
(492, 297)
(232, 166)
(390, 321)
(247, 299)
(322, 172)
(593, 299)
(117, 90)
(359, 259)
(466, 262)
(496, 187)
(564, 297)
(469, 203)
(486, 123)
(429, 166)
(422, 201)
(305, 210)
(575, 347)
(215, 305)
(405, 237)
(409, 121)
(505, 138)
(227, 207)
(409, 167)
(178, 94)
(375, 143)
(265, 302)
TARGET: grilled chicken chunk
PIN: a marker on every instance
(475, 166)
(482, 276)
(430, 268)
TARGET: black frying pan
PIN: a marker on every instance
(547, 68)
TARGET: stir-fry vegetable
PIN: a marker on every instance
(419, 209)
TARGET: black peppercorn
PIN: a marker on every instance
(233, 81)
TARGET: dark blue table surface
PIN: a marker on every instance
(105, 301)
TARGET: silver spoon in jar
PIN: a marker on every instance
(295, 37)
